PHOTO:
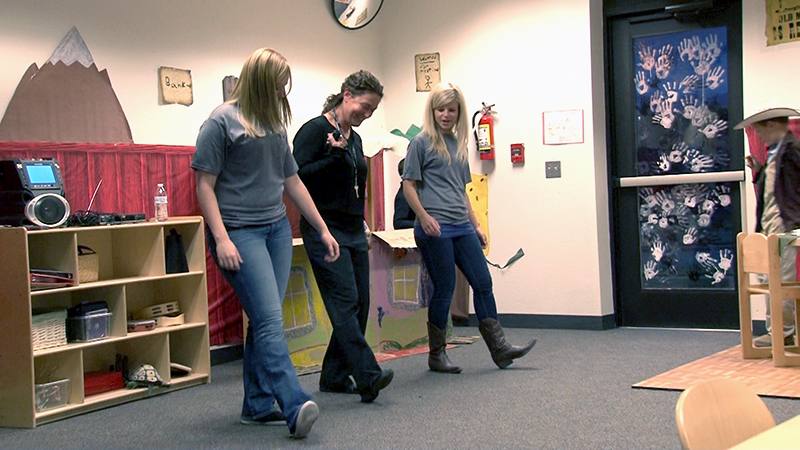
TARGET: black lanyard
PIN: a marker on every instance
(350, 150)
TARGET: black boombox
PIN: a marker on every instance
(32, 193)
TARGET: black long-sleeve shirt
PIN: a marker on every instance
(329, 172)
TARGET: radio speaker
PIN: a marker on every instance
(32, 193)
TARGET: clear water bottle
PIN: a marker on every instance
(161, 203)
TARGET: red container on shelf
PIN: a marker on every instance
(102, 381)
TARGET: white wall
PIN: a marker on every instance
(526, 57)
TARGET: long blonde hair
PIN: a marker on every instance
(261, 110)
(440, 95)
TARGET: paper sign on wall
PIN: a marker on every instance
(783, 21)
(175, 86)
(427, 69)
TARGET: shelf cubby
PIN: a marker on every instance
(131, 276)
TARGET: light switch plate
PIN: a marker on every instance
(552, 169)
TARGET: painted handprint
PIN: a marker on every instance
(657, 249)
(708, 206)
(647, 195)
(690, 106)
(667, 204)
(703, 115)
(663, 163)
(716, 277)
(650, 270)
(689, 83)
(723, 194)
(714, 78)
(656, 101)
(713, 129)
(671, 90)
(712, 48)
(647, 55)
(676, 155)
(666, 117)
(705, 260)
(703, 65)
(701, 164)
(725, 259)
(703, 220)
(641, 83)
(689, 49)
(690, 237)
(690, 200)
(665, 61)
(682, 215)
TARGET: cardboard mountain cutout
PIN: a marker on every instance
(67, 100)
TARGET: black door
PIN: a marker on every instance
(676, 164)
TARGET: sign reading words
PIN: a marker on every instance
(175, 86)
(783, 21)
(427, 68)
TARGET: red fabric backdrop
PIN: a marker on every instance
(130, 173)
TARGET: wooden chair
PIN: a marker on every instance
(760, 254)
(720, 413)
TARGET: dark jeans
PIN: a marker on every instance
(441, 256)
(344, 286)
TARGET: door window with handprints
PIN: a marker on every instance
(681, 102)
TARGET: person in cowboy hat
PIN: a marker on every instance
(778, 197)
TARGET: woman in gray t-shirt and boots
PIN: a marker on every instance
(447, 231)
(243, 166)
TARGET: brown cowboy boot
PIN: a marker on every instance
(437, 358)
(503, 353)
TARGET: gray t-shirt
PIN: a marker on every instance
(441, 186)
(250, 171)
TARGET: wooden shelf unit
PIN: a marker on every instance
(131, 276)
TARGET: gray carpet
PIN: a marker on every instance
(572, 392)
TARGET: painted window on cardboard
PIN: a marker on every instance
(405, 280)
(686, 235)
(298, 312)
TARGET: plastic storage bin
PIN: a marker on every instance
(88, 328)
(52, 395)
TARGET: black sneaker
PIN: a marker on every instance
(371, 393)
(273, 418)
(349, 387)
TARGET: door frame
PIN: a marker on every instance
(639, 13)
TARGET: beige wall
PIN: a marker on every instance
(526, 56)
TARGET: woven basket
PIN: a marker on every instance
(88, 264)
(49, 329)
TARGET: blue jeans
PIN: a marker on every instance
(441, 256)
(260, 283)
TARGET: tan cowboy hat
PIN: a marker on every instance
(765, 114)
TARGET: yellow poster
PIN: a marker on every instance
(783, 21)
(478, 195)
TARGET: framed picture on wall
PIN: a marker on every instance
(562, 127)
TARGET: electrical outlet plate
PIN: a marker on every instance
(552, 169)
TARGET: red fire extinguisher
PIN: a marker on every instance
(484, 132)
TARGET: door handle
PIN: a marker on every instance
(685, 178)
